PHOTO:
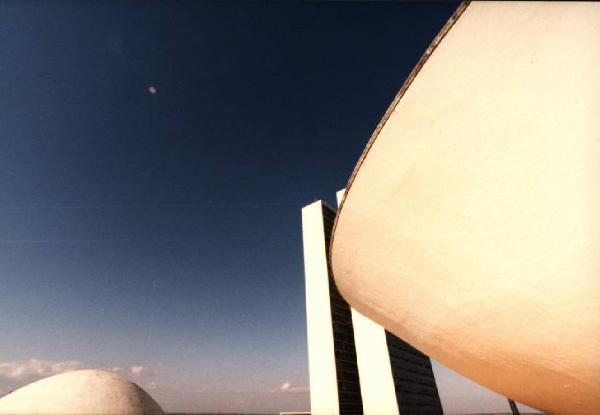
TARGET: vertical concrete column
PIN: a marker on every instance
(321, 355)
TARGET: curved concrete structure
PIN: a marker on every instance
(471, 225)
(82, 392)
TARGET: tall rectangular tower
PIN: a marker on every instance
(355, 365)
(333, 372)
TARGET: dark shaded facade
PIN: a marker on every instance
(414, 382)
(343, 337)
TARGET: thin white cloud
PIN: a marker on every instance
(138, 371)
(288, 388)
(37, 368)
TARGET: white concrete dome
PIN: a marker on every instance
(81, 392)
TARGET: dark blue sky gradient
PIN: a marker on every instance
(163, 229)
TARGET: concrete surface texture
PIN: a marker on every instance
(81, 392)
(471, 225)
(373, 360)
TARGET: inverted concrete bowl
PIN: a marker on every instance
(471, 225)
(82, 392)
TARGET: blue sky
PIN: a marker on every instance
(156, 231)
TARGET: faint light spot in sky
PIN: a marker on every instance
(152, 89)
